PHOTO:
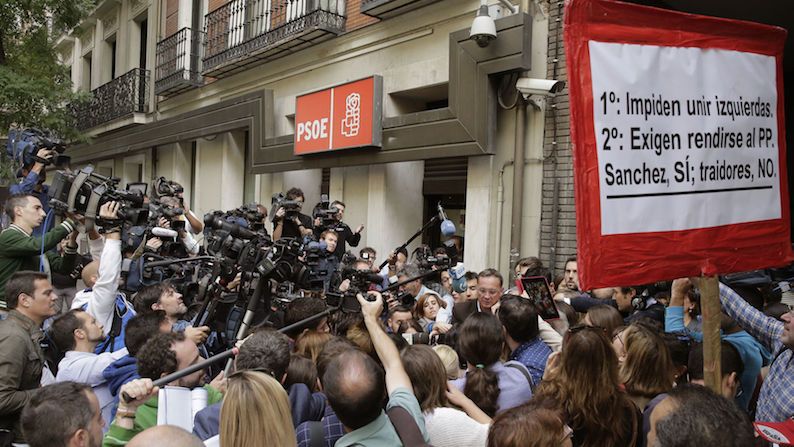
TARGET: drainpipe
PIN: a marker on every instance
(518, 182)
(500, 205)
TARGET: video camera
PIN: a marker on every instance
(86, 191)
(291, 207)
(166, 188)
(24, 144)
(326, 213)
(360, 282)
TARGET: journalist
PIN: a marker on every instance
(343, 232)
(32, 300)
(101, 298)
(20, 250)
(299, 225)
(33, 178)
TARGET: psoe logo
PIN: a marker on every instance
(352, 121)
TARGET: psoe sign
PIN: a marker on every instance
(341, 117)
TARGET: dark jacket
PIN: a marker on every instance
(21, 365)
(461, 311)
(305, 406)
(20, 251)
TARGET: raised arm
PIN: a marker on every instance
(396, 377)
(765, 329)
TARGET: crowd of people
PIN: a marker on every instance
(458, 358)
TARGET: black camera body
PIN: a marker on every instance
(163, 187)
(86, 191)
(25, 144)
(291, 207)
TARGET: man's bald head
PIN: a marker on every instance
(165, 436)
(90, 272)
(356, 388)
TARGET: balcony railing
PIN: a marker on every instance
(178, 62)
(245, 32)
(388, 8)
(118, 98)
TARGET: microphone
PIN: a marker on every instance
(164, 232)
(447, 227)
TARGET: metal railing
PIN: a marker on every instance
(178, 62)
(241, 27)
(118, 98)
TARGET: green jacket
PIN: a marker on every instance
(145, 417)
(20, 251)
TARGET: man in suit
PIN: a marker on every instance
(489, 289)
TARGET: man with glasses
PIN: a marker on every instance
(489, 289)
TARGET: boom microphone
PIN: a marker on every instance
(164, 232)
(447, 227)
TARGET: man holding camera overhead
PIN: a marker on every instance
(20, 250)
(292, 223)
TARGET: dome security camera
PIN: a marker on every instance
(539, 87)
(483, 29)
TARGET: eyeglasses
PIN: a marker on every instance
(489, 291)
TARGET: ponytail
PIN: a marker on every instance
(480, 344)
(482, 387)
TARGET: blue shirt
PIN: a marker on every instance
(776, 401)
(533, 354)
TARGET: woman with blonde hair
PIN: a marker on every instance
(583, 381)
(256, 412)
(647, 369)
(450, 360)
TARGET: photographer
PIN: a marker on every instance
(343, 232)
(101, 298)
(172, 204)
(32, 183)
(297, 225)
(19, 250)
(328, 263)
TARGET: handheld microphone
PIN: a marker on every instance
(164, 232)
(447, 227)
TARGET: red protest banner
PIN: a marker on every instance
(679, 143)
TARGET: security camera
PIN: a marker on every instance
(539, 87)
(483, 29)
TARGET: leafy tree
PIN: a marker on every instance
(35, 89)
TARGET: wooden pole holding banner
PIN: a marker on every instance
(710, 308)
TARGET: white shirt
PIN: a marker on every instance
(101, 298)
(87, 367)
(448, 427)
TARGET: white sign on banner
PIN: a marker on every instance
(687, 137)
